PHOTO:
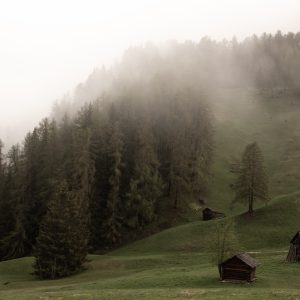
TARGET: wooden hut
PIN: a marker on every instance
(294, 252)
(240, 267)
(208, 214)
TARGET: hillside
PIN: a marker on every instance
(271, 227)
(244, 116)
(176, 263)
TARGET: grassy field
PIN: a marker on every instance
(166, 276)
(177, 263)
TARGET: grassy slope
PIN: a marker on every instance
(169, 276)
(270, 228)
(243, 117)
(176, 263)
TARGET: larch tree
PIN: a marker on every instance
(223, 242)
(252, 182)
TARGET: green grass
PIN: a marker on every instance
(243, 117)
(177, 276)
(177, 263)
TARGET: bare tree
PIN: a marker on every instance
(224, 241)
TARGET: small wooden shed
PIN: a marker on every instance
(208, 214)
(240, 267)
(294, 252)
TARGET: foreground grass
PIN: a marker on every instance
(168, 276)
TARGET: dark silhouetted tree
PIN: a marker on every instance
(58, 251)
(252, 184)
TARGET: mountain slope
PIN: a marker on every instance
(271, 227)
(244, 116)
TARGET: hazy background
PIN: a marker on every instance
(48, 47)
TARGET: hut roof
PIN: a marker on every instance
(246, 258)
(295, 237)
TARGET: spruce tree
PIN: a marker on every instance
(13, 243)
(251, 184)
(83, 178)
(146, 184)
(59, 249)
(113, 211)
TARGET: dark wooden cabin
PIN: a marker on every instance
(294, 252)
(240, 267)
(209, 214)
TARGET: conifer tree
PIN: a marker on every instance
(1, 164)
(251, 184)
(146, 184)
(13, 243)
(30, 185)
(83, 164)
(59, 249)
(113, 210)
(83, 178)
(40, 174)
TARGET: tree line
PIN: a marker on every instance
(268, 63)
(97, 180)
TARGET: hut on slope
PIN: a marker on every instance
(294, 252)
(240, 267)
(208, 214)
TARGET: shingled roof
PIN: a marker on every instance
(246, 258)
(295, 237)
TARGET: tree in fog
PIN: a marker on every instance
(251, 184)
(14, 241)
(113, 218)
(146, 185)
(61, 246)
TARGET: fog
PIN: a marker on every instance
(47, 48)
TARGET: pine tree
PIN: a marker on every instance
(40, 174)
(13, 243)
(2, 178)
(1, 165)
(83, 164)
(146, 184)
(59, 249)
(113, 216)
(30, 185)
(251, 184)
(83, 178)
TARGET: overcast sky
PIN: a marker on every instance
(48, 47)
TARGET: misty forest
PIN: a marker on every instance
(126, 164)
